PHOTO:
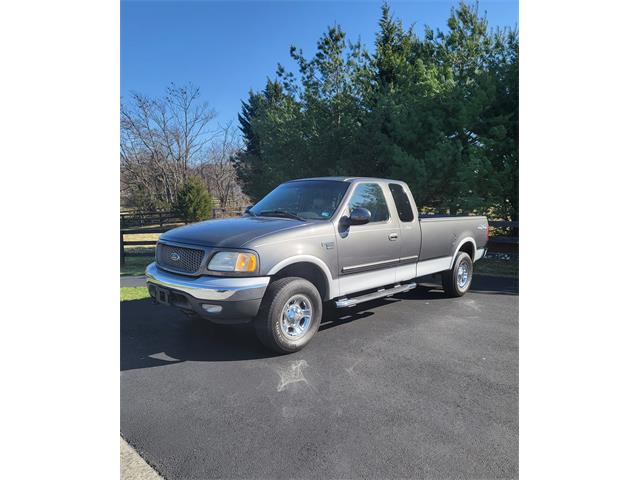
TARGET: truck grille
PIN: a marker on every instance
(181, 259)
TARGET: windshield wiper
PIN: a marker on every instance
(280, 213)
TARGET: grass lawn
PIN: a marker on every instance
(129, 237)
(133, 293)
(496, 267)
(135, 265)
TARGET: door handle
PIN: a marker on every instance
(393, 236)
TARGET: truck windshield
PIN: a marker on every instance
(306, 200)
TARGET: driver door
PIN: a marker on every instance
(368, 254)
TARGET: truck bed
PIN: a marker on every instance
(442, 235)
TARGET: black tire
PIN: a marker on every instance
(268, 321)
(450, 278)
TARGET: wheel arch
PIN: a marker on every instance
(468, 245)
(310, 268)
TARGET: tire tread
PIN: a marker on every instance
(263, 325)
(448, 277)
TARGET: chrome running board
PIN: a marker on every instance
(383, 292)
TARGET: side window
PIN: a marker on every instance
(401, 199)
(370, 196)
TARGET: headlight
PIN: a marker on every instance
(233, 262)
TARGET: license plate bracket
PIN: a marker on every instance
(162, 296)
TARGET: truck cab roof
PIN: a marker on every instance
(349, 179)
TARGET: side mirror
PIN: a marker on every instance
(246, 210)
(359, 216)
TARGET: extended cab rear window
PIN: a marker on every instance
(401, 199)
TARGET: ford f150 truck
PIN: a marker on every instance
(335, 241)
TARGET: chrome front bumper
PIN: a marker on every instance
(209, 288)
(220, 299)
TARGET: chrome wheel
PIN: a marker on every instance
(463, 275)
(296, 316)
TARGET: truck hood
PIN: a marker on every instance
(230, 232)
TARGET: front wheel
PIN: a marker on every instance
(290, 315)
(457, 281)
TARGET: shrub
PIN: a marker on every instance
(194, 202)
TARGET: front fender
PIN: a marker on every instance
(331, 283)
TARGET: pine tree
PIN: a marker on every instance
(194, 202)
(439, 112)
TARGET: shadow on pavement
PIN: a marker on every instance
(495, 285)
(153, 335)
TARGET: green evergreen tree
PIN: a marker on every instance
(269, 125)
(194, 202)
(439, 112)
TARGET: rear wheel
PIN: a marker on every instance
(290, 315)
(457, 281)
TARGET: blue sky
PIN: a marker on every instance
(228, 48)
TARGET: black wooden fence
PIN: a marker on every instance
(502, 243)
(161, 218)
(138, 243)
(140, 219)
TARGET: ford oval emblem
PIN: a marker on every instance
(174, 257)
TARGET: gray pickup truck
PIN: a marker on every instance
(309, 244)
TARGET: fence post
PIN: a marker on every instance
(121, 248)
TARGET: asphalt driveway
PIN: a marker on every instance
(420, 386)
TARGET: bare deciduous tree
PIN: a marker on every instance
(218, 172)
(165, 140)
(160, 139)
